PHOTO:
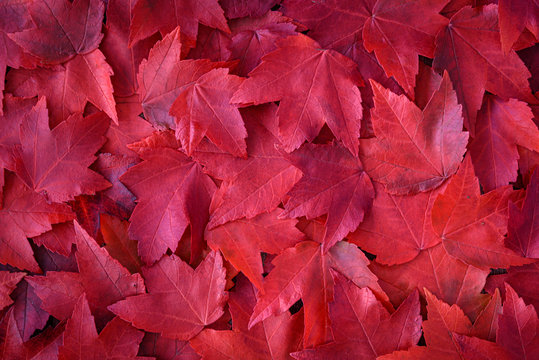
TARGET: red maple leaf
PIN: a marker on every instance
(398, 32)
(273, 338)
(360, 325)
(157, 223)
(163, 76)
(241, 241)
(397, 228)
(500, 127)
(297, 74)
(203, 109)
(303, 272)
(117, 340)
(414, 150)
(469, 49)
(64, 154)
(69, 86)
(471, 225)
(175, 288)
(352, 159)
(523, 228)
(271, 174)
(150, 16)
(25, 214)
(333, 183)
(58, 33)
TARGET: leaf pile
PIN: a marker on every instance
(269, 179)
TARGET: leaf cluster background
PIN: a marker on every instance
(267, 179)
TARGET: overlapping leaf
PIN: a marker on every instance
(469, 49)
(181, 301)
(313, 86)
(55, 163)
(414, 150)
(333, 183)
(59, 34)
(471, 225)
(158, 222)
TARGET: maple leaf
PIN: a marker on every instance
(274, 338)
(158, 222)
(241, 241)
(167, 349)
(514, 18)
(398, 32)
(254, 185)
(58, 291)
(397, 228)
(475, 348)
(27, 310)
(112, 167)
(517, 335)
(246, 8)
(62, 29)
(469, 49)
(188, 167)
(118, 243)
(8, 282)
(69, 86)
(313, 86)
(212, 44)
(414, 151)
(46, 344)
(472, 225)
(59, 239)
(25, 214)
(442, 323)
(124, 60)
(499, 128)
(64, 154)
(10, 339)
(163, 76)
(451, 280)
(338, 25)
(15, 17)
(203, 109)
(104, 279)
(304, 272)
(361, 323)
(518, 327)
(150, 16)
(130, 128)
(443, 330)
(117, 340)
(523, 228)
(333, 183)
(42, 346)
(10, 122)
(254, 38)
(181, 301)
